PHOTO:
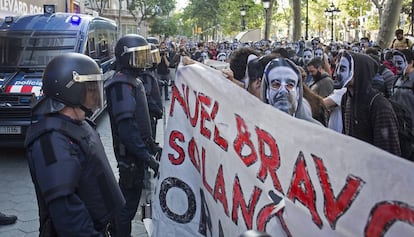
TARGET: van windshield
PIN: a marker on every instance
(23, 50)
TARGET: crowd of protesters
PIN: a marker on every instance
(351, 88)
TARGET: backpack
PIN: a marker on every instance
(405, 133)
(406, 42)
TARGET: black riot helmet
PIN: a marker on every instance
(73, 80)
(133, 51)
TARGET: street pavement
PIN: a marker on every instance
(17, 195)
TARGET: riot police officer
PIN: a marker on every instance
(75, 187)
(152, 90)
(130, 122)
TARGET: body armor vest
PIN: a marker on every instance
(117, 90)
(94, 183)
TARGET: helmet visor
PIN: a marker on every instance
(140, 57)
(92, 98)
(155, 56)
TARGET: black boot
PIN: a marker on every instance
(7, 219)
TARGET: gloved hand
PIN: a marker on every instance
(155, 150)
(154, 165)
(153, 147)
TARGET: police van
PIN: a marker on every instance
(27, 44)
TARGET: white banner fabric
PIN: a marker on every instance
(232, 163)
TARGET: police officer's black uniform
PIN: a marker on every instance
(130, 123)
(75, 187)
(152, 90)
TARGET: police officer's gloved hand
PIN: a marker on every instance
(154, 165)
(158, 151)
(155, 149)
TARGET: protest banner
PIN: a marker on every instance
(232, 163)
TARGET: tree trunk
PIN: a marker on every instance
(119, 18)
(389, 21)
(268, 20)
(297, 23)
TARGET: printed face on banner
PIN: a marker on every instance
(282, 93)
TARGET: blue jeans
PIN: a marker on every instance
(166, 81)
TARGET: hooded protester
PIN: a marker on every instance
(343, 73)
(403, 88)
(367, 115)
(282, 88)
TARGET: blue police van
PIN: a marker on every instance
(27, 44)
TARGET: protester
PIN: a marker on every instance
(356, 47)
(75, 187)
(255, 69)
(282, 88)
(280, 52)
(384, 79)
(319, 110)
(212, 50)
(303, 62)
(162, 70)
(367, 114)
(403, 88)
(400, 41)
(173, 52)
(319, 52)
(321, 83)
(387, 60)
(134, 147)
(343, 73)
(199, 55)
(238, 64)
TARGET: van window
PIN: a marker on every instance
(25, 50)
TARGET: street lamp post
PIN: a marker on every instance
(332, 10)
(243, 15)
(266, 5)
(307, 20)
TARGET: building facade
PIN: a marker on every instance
(112, 10)
(28, 7)
(117, 11)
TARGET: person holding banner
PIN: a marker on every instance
(134, 147)
(282, 88)
(255, 70)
